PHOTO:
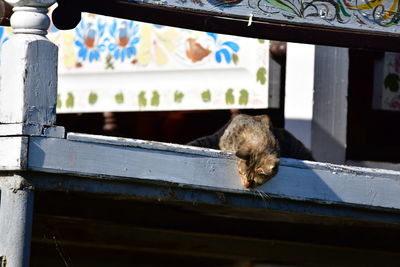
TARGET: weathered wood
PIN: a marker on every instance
(358, 30)
(29, 70)
(329, 121)
(15, 220)
(31, 130)
(13, 153)
(308, 181)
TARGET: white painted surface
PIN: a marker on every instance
(129, 159)
(93, 158)
(28, 90)
(170, 68)
(299, 90)
(13, 153)
(128, 142)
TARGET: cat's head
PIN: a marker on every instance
(257, 169)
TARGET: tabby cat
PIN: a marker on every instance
(257, 146)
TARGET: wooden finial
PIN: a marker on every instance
(28, 92)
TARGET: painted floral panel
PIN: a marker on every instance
(387, 91)
(109, 64)
(359, 15)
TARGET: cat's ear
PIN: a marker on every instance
(243, 153)
(264, 119)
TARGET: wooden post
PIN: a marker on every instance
(15, 220)
(28, 95)
(329, 123)
(28, 92)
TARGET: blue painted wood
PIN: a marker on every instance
(239, 204)
(137, 161)
(16, 215)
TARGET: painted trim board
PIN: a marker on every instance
(120, 159)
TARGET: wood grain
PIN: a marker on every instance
(133, 160)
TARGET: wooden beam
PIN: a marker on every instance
(121, 159)
(13, 153)
(222, 20)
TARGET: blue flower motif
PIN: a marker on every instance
(125, 37)
(3, 37)
(226, 49)
(89, 39)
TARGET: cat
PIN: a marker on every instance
(257, 145)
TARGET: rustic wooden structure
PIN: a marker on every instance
(99, 194)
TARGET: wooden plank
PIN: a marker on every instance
(32, 130)
(306, 181)
(13, 153)
(329, 122)
(358, 30)
(129, 142)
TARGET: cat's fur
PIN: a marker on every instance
(257, 145)
(256, 148)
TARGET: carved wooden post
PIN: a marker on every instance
(28, 95)
(28, 92)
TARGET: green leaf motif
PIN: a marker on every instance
(244, 97)
(178, 96)
(109, 62)
(261, 41)
(229, 97)
(261, 75)
(93, 98)
(155, 99)
(206, 96)
(119, 98)
(70, 100)
(391, 82)
(142, 99)
(281, 5)
(235, 58)
(59, 103)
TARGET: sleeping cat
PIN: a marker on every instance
(257, 146)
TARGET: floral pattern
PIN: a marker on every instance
(3, 35)
(89, 39)
(225, 50)
(124, 39)
(139, 66)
